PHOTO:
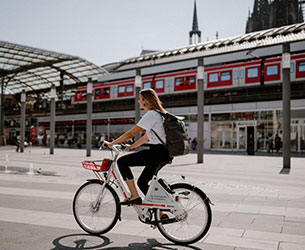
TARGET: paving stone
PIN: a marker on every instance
(242, 242)
(294, 219)
(294, 228)
(281, 237)
(290, 246)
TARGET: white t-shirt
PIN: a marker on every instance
(153, 120)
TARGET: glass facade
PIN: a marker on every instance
(232, 130)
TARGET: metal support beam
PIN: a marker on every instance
(89, 117)
(2, 109)
(22, 120)
(52, 119)
(200, 110)
(286, 108)
(138, 83)
(61, 89)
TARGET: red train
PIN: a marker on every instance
(242, 74)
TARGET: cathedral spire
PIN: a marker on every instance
(195, 29)
(195, 21)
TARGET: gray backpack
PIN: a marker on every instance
(175, 134)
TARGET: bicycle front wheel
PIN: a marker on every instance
(93, 216)
(196, 220)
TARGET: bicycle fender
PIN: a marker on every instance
(93, 180)
(193, 187)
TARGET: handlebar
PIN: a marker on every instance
(117, 148)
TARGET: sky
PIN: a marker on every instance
(107, 31)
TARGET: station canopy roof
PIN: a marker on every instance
(254, 40)
(35, 70)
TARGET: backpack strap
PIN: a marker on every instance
(158, 111)
(158, 136)
(162, 115)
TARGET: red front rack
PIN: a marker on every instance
(93, 166)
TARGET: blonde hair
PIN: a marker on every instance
(153, 100)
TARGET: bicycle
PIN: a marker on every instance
(96, 206)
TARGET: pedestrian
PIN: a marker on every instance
(250, 149)
(153, 158)
(194, 143)
(18, 139)
(102, 139)
(278, 142)
(270, 143)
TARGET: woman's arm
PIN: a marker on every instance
(138, 143)
(126, 136)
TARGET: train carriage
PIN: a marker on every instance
(233, 75)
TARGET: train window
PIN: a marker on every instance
(225, 76)
(272, 70)
(147, 85)
(122, 89)
(252, 72)
(84, 94)
(292, 67)
(159, 84)
(106, 91)
(241, 74)
(190, 80)
(301, 66)
(129, 89)
(213, 77)
(179, 82)
(97, 92)
(235, 74)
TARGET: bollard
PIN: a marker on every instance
(31, 170)
(6, 164)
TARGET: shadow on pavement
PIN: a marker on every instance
(87, 242)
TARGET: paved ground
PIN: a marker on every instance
(255, 206)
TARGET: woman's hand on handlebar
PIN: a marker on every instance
(127, 147)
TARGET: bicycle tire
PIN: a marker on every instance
(196, 223)
(100, 220)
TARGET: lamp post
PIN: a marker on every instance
(89, 117)
(138, 83)
(22, 120)
(2, 112)
(200, 110)
(286, 108)
(52, 119)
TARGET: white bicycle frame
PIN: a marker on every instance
(156, 197)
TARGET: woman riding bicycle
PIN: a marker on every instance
(154, 157)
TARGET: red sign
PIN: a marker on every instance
(33, 135)
(244, 115)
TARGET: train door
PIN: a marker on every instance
(114, 92)
(235, 77)
(244, 131)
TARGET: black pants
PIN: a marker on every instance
(153, 159)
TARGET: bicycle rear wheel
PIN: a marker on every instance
(197, 219)
(96, 218)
